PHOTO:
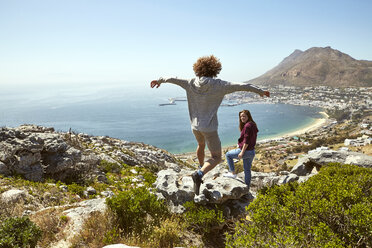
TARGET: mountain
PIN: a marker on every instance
(319, 66)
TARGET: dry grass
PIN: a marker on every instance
(336, 146)
(52, 223)
(367, 149)
(291, 163)
(98, 231)
(11, 209)
(364, 149)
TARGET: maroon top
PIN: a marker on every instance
(248, 136)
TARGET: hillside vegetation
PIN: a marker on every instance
(331, 209)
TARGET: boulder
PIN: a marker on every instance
(25, 158)
(306, 164)
(303, 166)
(176, 187)
(260, 179)
(33, 172)
(13, 196)
(35, 152)
(359, 159)
(220, 189)
(283, 179)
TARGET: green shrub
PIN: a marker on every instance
(149, 177)
(136, 209)
(76, 189)
(201, 219)
(331, 209)
(111, 236)
(106, 166)
(19, 232)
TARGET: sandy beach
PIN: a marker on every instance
(316, 124)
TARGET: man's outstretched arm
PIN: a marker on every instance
(180, 82)
(232, 87)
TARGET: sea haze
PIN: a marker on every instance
(131, 112)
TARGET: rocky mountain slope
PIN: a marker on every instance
(39, 153)
(319, 66)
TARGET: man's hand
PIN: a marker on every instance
(155, 83)
(265, 93)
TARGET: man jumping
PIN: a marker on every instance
(204, 95)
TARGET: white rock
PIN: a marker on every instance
(107, 193)
(200, 199)
(77, 215)
(13, 195)
(91, 190)
(64, 188)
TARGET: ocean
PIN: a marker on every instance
(131, 111)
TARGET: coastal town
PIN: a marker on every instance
(346, 123)
(353, 99)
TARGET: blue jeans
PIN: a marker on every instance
(247, 162)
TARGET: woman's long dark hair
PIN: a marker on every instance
(250, 119)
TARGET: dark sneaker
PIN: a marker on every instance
(197, 181)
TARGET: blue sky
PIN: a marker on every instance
(112, 41)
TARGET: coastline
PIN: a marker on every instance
(313, 126)
(317, 123)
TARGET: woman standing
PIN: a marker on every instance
(246, 144)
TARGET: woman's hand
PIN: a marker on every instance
(240, 155)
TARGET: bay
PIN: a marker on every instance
(131, 111)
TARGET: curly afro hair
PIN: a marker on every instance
(208, 66)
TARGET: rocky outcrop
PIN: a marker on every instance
(37, 153)
(317, 158)
(175, 186)
(262, 179)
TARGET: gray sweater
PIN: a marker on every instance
(204, 96)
